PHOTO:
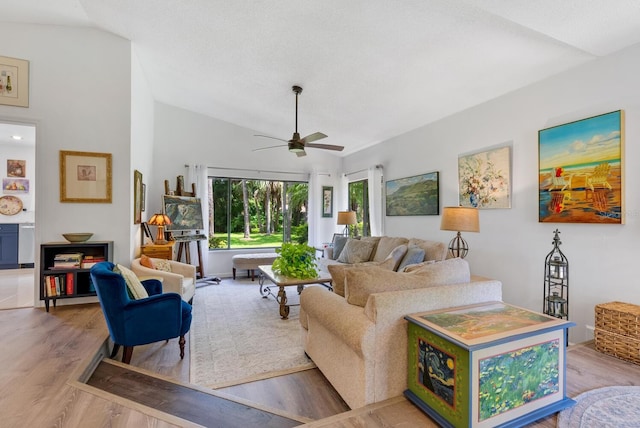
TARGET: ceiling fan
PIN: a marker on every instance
(296, 144)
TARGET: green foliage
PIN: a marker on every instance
(296, 261)
(300, 234)
(215, 242)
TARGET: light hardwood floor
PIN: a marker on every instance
(43, 355)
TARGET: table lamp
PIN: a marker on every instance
(160, 220)
(347, 218)
(460, 219)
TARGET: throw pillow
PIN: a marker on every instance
(135, 289)
(162, 265)
(433, 250)
(360, 283)
(338, 245)
(394, 258)
(337, 277)
(385, 245)
(356, 251)
(146, 261)
(413, 256)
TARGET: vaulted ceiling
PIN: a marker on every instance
(369, 69)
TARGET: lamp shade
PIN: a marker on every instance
(347, 217)
(159, 220)
(460, 219)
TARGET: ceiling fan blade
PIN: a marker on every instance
(301, 154)
(270, 147)
(313, 137)
(267, 136)
(325, 146)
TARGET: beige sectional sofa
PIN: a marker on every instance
(377, 250)
(357, 335)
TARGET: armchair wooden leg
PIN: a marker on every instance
(126, 354)
(181, 342)
(116, 348)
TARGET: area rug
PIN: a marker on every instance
(237, 336)
(613, 406)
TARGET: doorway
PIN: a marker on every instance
(18, 172)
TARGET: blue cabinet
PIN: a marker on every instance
(8, 246)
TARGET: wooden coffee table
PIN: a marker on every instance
(281, 281)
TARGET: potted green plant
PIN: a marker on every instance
(295, 261)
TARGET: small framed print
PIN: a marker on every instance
(14, 82)
(327, 201)
(85, 177)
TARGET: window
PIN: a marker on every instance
(248, 213)
(359, 202)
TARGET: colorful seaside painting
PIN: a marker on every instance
(580, 171)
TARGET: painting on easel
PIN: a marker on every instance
(185, 213)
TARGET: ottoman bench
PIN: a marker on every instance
(250, 262)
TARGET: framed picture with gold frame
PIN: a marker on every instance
(137, 197)
(85, 177)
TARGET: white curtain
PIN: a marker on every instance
(314, 209)
(198, 174)
(375, 180)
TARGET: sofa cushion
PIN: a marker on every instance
(338, 245)
(361, 282)
(385, 245)
(337, 277)
(375, 240)
(417, 266)
(394, 258)
(433, 250)
(162, 265)
(356, 251)
(414, 255)
(135, 289)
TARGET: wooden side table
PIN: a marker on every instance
(159, 251)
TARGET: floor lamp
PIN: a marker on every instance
(346, 219)
(460, 219)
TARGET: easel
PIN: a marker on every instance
(185, 245)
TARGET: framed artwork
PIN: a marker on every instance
(185, 213)
(417, 195)
(327, 201)
(16, 168)
(144, 197)
(137, 197)
(14, 82)
(15, 185)
(85, 177)
(484, 178)
(580, 171)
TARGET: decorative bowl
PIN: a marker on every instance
(77, 237)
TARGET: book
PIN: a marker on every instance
(89, 261)
(69, 283)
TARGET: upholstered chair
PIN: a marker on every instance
(177, 277)
(133, 322)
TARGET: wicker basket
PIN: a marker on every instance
(617, 330)
(620, 318)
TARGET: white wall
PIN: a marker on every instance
(141, 159)
(80, 99)
(183, 137)
(512, 244)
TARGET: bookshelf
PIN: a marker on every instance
(59, 279)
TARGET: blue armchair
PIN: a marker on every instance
(138, 322)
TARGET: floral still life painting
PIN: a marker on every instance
(580, 171)
(485, 179)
